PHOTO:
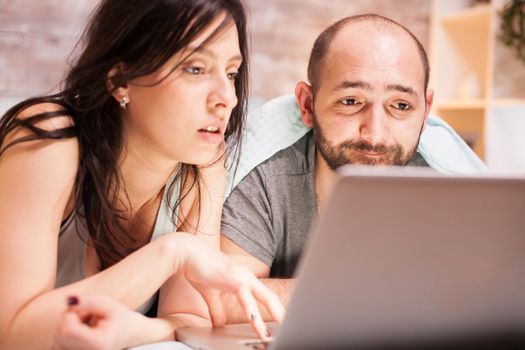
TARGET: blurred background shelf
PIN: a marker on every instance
(479, 83)
(478, 14)
(478, 103)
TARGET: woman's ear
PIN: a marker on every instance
(117, 89)
(305, 101)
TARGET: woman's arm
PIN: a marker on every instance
(94, 317)
(179, 301)
(36, 181)
(35, 323)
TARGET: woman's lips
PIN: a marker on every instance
(211, 137)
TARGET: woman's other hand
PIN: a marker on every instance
(95, 322)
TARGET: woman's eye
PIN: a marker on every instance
(194, 70)
(233, 75)
(350, 101)
(402, 106)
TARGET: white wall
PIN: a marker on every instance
(505, 139)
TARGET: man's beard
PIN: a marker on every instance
(346, 152)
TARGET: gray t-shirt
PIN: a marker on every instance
(270, 212)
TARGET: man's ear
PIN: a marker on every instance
(115, 88)
(429, 100)
(305, 100)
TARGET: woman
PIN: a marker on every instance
(94, 179)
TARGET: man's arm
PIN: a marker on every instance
(283, 287)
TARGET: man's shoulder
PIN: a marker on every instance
(293, 160)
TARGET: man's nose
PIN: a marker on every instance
(374, 126)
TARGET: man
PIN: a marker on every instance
(367, 103)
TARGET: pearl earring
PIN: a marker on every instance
(124, 102)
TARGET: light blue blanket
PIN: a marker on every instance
(277, 124)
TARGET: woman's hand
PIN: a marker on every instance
(211, 272)
(95, 322)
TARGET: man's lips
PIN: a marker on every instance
(371, 154)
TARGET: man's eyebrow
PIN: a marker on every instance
(353, 84)
(207, 52)
(402, 88)
(364, 85)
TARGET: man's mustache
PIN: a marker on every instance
(365, 146)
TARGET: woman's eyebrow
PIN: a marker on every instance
(207, 52)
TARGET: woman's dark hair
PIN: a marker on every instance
(140, 35)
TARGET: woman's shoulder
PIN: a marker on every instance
(46, 115)
(42, 133)
(42, 119)
(37, 168)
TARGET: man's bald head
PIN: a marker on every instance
(323, 42)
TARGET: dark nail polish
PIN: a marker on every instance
(72, 300)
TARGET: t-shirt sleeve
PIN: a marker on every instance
(247, 218)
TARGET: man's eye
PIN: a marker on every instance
(402, 106)
(350, 101)
(194, 70)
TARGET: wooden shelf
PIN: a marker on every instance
(469, 123)
(507, 102)
(478, 86)
(459, 104)
(475, 14)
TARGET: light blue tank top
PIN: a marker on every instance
(73, 233)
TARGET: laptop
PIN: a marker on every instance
(404, 258)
